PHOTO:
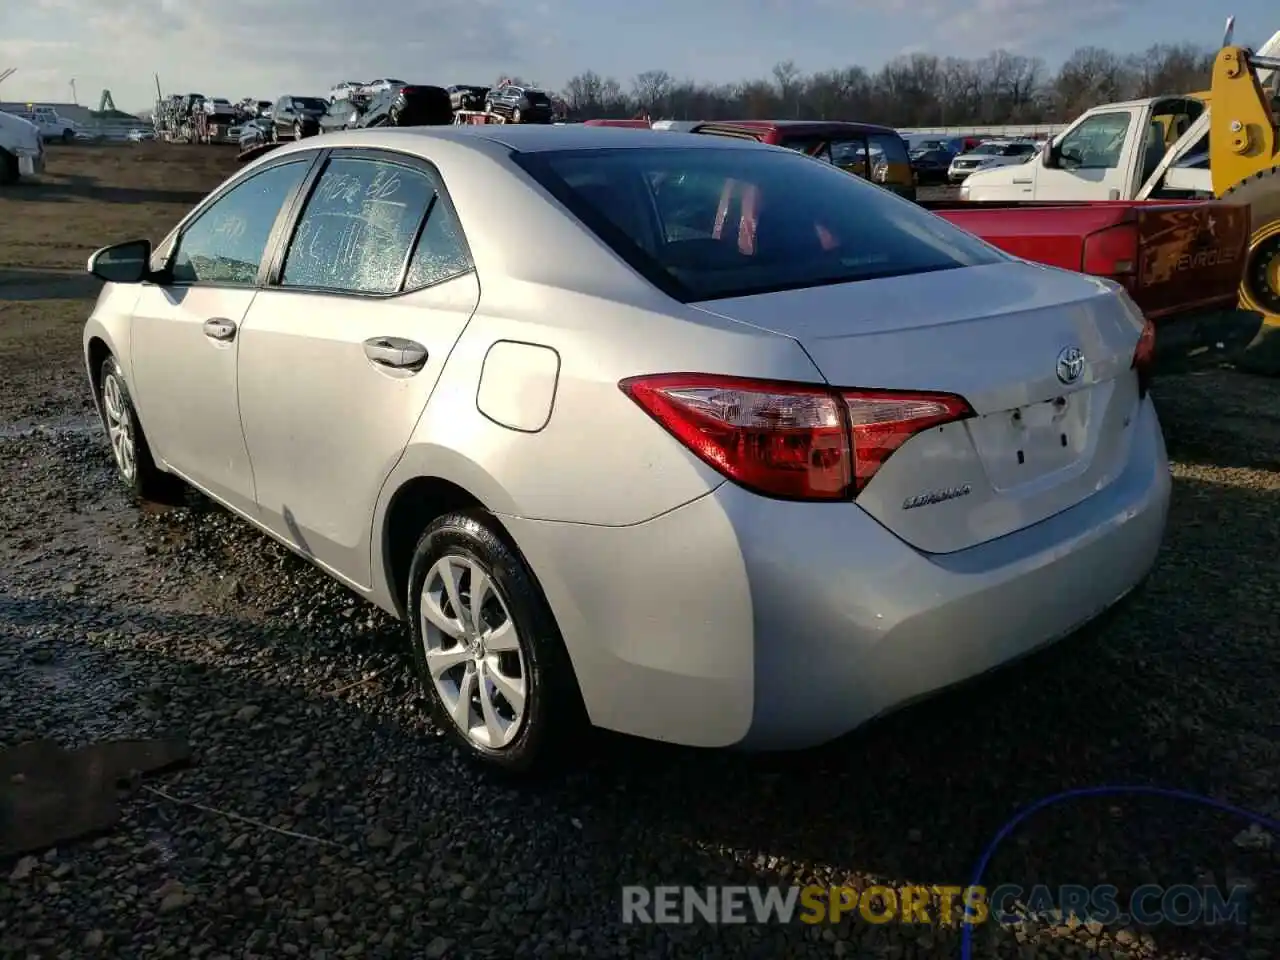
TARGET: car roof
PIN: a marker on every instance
(518, 137)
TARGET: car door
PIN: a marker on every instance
(282, 117)
(185, 331)
(340, 352)
(1088, 162)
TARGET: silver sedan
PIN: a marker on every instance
(685, 437)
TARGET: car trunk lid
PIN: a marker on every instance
(997, 336)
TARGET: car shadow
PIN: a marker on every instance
(28, 285)
(73, 187)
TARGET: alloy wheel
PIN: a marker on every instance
(474, 652)
(119, 427)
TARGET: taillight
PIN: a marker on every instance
(1144, 356)
(1112, 253)
(790, 441)
(881, 421)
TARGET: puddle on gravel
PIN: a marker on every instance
(72, 692)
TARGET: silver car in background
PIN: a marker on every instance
(681, 436)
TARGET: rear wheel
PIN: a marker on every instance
(68, 136)
(1260, 286)
(487, 650)
(298, 132)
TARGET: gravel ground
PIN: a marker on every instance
(372, 839)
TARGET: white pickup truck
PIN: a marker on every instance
(1119, 151)
(21, 149)
(1154, 149)
(52, 126)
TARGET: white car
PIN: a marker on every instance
(138, 135)
(345, 90)
(21, 149)
(993, 153)
(750, 452)
(377, 86)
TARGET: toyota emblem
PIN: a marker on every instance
(1070, 364)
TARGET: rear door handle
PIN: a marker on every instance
(396, 353)
(219, 328)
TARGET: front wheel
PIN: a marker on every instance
(129, 447)
(297, 131)
(68, 136)
(9, 172)
(487, 650)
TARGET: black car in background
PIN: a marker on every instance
(930, 161)
(405, 106)
(519, 104)
(467, 96)
(293, 117)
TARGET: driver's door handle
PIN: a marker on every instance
(1021, 180)
(219, 328)
(396, 353)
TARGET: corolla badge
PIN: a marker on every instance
(1070, 364)
(936, 496)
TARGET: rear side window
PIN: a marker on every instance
(441, 252)
(711, 223)
(358, 226)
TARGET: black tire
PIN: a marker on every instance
(517, 116)
(8, 168)
(298, 132)
(275, 133)
(553, 716)
(1258, 290)
(145, 480)
(68, 136)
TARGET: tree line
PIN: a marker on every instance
(918, 90)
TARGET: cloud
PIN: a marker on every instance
(244, 47)
(976, 27)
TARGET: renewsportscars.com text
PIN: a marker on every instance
(1149, 905)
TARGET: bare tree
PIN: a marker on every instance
(909, 91)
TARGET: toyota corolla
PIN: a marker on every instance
(681, 436)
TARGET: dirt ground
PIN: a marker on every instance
(323, 817)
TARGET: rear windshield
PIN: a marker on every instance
(536, 96)
(705, 224)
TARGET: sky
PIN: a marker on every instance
(266, 48)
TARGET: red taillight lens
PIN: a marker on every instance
(791, 441)
(883, 420)
(1144, 356)
(1112, 253)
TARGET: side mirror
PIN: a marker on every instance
(1051, 155)
(128, 262)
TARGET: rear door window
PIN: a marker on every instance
(705, 224)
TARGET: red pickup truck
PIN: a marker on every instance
(1180, 260)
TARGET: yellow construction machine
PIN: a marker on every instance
(1244, 162)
